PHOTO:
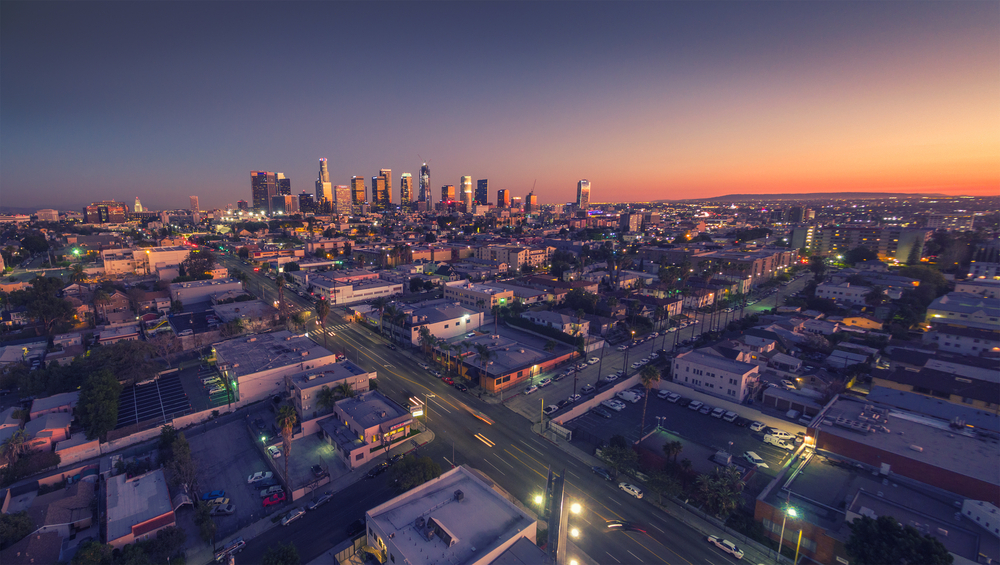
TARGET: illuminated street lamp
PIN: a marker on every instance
(790, 511)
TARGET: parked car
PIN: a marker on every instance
(755, 460)
(683, 402)
(727, 546)
(730, 416)
(611, 378)
(221, 501)
(706, 409)
(718, 412)
(616, 405)
(271, 490)
(787, 384)
(602, 413)
(259, 476)
(550, 409)
(320, 500)
(544, 382)
(378, 470)
(391, 346)
(593, 361)
(317, 471)
(631, 489)
(274, 499)
(588, 389)
(757, 426)
(581, 366)
(292, 516)
(222, 510)
(213, 494)
(461, 387)
(530, 389)
(447, 380)
(780, 434)
(574, 398)
(274, 452)
(602, 472)
(695, 405)
(356, 527)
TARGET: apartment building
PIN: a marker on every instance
(479, 296)
(718, 376)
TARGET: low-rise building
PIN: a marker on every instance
(479, 296)
(569, 325)
(843, 292)
(64, 402)
(444, 320)
(968, 341)
(195, 292)
(137, 508)
(511, 362)
(726, 378)
(305, 387)
(362, 424)
(458, 517)
(963, 309)
(983, 287)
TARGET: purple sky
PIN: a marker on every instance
(653, 100)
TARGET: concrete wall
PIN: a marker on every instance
(584, 405)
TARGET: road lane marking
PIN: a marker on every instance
(485, 440)
(637, 560)
(505, 461)
(658, 529)
(613, 557)
(495, 467)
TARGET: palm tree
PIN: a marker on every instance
(650, 377)
(390, 316)
(379, 304)
(485, 355)
(658, 315)
(326, 398)
(446, 347)
(344, 390)
(399, 320)
(322, 311)
(76, 273)
(496, 318)
(286, 420)
(672, 449)
(282, 314)
(14, 446)
(425, 338)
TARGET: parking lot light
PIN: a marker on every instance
(574, 532)
(539, 499)
(575, 508)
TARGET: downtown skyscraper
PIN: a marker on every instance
(324, 188)
(425, 183)
(358, 190)
(405, 190)
(465, 192)
(503, 198)
(583, 194)
(382, 190)
(448, 193)
(342, 205)
(193, 200)
(482, 191)
(263, 186)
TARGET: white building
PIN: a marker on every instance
(968, 310)
(338, 293)
(569, 325)
(477, 296)
(444, 321)
(455, 518)
(843, 292)
(983, 287)
(715, 375)
(202, 291)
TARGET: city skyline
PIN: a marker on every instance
(648, 101)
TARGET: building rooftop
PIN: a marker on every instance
(247, 355)
(510, 355)
(326, 375)
(371, 409)
(466, 527)
(136, 500)
(253, 309)
(720, 363)
(936, 407)
(960, 450)
(55, 401)
(209, 282)
(440, 313)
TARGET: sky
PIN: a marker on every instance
(647, 100)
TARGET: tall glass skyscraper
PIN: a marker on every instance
(343, 201)
(465, 184)
(583, 194)
(425, 183)
(324, 188)
(358, 190)
(405, 190)
(482, 191)
(503, 198)
(262, 187)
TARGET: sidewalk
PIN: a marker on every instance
(203, 553)
(753, 551)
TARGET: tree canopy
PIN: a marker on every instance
(413, 471)
(884, 541)
(97, 409)
(42, 303)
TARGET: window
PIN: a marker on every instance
(392, 558)
(359, 456)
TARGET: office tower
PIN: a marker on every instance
(515, 202)
(306, 203)
(482, 191)
(405, 190)
(105, 212)
(342, 204)
(242, 205)
(425, 183)
(284, 185)
(531, 203)
(447, 193)
(194, 203)
(138, 205)
(324, 188)
(262, 187)
(284, 204)
(379, 194)
(358, 190)
(503, 198)
(583, 194)
(466, 192)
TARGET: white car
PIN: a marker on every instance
(574, 397)
(593, 361)
(611, 378)
(550, 409)
(671, 329)
(613, 404)
(755, 459)
(727, 546)
(631, 489)
(544, 382)
(622, 347)
(292, 516)
(581, 366)
(530, 389)
(274, 452)
(636, 365)
(757, 426)
(259, 476)
(654, 334)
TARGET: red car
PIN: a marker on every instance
(447, 380)
(274, 499)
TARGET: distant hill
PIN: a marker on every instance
(810, 196)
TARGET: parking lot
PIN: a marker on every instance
(702, 429)
(227, 456)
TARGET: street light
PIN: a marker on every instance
(790, 511)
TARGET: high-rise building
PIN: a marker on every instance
(306, 203)
(425, 183)
(466, 192)
(405, 190)
(583, 194)
(503, 198)
(379, 196)
(262, 187)
(194, 203)
(105, 212)
(515, 202)
(447, 193)
(482, 191)
(531, 203)
(242, 205)
(138, 205)
(284, 184)
(285, 204)
(324, 188)
(342, 203)
(358, 191)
